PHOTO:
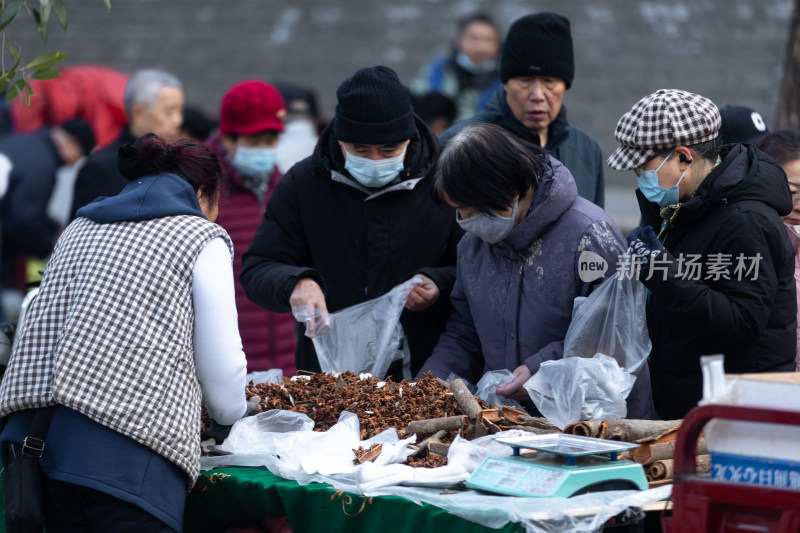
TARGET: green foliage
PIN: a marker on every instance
(13, 77)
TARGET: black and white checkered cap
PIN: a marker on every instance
(666, 119)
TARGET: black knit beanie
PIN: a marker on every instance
(538, 45)
(374, 108)
(82, 132)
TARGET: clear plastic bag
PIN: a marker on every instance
(364, 338)
(488, 385)
(611, 321)
(577, 388)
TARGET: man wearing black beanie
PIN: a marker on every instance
(357, 218)
(536, 68)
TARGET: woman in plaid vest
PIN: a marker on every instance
(134, 326)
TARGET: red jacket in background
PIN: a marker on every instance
(268, 338)
(91, 92)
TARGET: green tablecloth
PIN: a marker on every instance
(225, 495)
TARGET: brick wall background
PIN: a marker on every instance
(731, 51)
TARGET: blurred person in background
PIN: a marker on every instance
(301, 126)
(741, 124)
(94, 93)
(31, 162)
(133, 330)
(784, 147)
(197, 124)
(251, 119)
(470, 74)
(153, 104)
(437, 110)
(357, 218)
(537, 67)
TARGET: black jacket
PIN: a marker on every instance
(357, 242)
(750, 317)
(27, 229)
(575, 148)
(100, 176)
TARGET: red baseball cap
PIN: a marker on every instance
(251, 107)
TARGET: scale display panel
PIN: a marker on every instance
(561, 466)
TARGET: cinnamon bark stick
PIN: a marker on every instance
(647, 454)
(432, 425)
(422, 446)
(634, 430)
(465, 399)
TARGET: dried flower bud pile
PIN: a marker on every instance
(379, 404)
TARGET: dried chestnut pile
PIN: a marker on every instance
(379, 404)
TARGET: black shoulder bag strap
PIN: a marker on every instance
(22, 485)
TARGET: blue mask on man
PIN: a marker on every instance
(647, 180)
(374, 173)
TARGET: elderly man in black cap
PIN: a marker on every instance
(719, 266)
(536, 68)
(357, 217)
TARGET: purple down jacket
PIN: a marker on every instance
(513, 300)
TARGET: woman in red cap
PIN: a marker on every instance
(251, 117)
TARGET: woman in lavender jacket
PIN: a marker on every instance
(517, 269)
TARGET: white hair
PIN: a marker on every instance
(143, 87)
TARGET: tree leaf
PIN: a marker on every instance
(108, 4)
(3, 84)
(47, 74)
(8, 13)
(61, 13)
(37, 19)
(46, 61)
(14, 51)
(28, 92)
(14, 91)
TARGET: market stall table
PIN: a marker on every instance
(226, 495)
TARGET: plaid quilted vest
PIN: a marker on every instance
(110, 333)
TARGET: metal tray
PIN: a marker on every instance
(567, 445)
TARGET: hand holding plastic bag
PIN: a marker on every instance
(487, 387)
(365, 337)
(611, 321)
(577, 388)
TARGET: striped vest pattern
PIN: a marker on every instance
(110, 333)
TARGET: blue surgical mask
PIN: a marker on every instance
(489, 227)
(647, 180)
(467, 64)
(373, 172)
(254, 161)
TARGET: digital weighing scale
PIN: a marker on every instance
(561, 466)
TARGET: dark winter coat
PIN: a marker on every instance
(100, 176)
(27, 229)
(748, 318)
(268, 338)
(356, 242)
(578, 150)
(513, 300)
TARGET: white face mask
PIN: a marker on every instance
(374, 172)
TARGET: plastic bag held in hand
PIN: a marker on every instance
(611, 321)
(365, 337)
(575, 388)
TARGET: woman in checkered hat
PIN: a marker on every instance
(715, 255)
(133, 329)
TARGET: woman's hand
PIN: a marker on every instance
(423, 296)
(307, 298)
(514, 389)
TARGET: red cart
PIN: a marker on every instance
(703, 505)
